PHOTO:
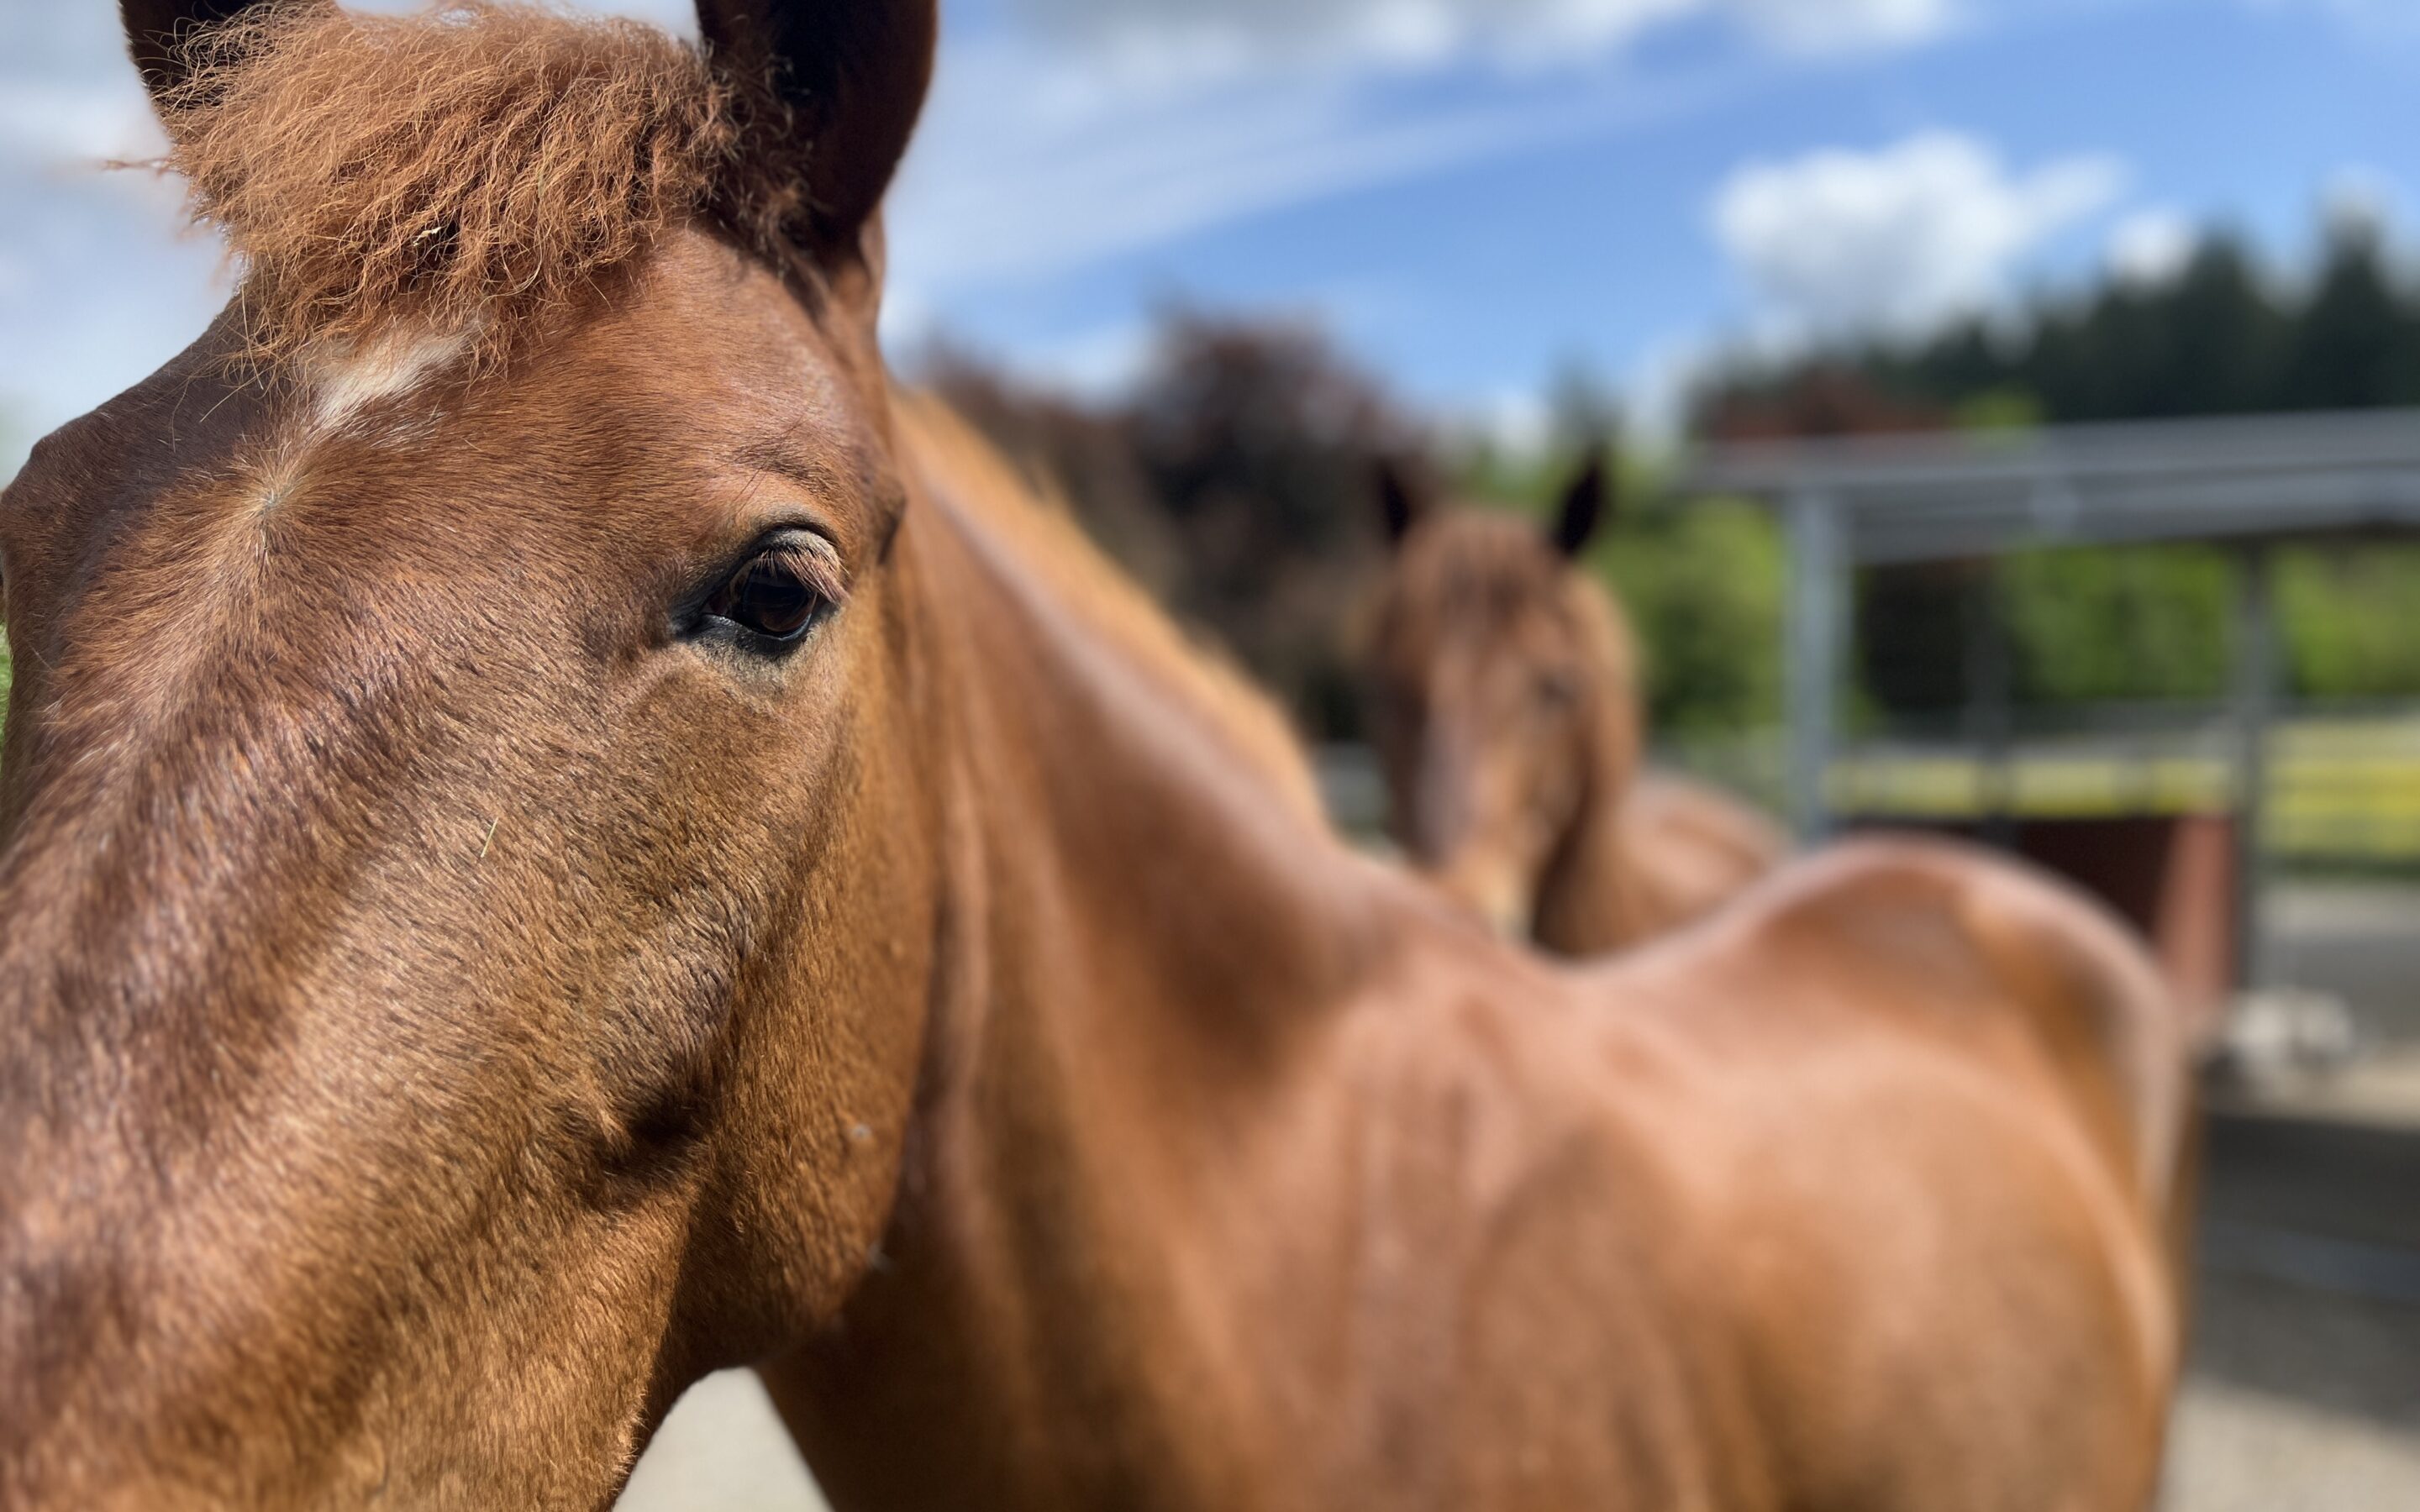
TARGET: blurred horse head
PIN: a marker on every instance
(1504, 701)
(1506, 712)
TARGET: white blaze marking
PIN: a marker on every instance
(344, 384)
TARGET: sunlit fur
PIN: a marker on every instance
(475, 171)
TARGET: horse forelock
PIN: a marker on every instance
(457, 175)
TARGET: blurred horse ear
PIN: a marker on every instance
(846, 80)
(1402, 504)
(1585, 505)
(157, 30)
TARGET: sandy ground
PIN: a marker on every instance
(2236, 1450)
(2298, 1402)
(2302, 1393)
(723, 1450)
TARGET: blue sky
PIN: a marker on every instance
(1470, 194)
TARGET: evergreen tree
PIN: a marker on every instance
(2222, 338)
(2357, 343)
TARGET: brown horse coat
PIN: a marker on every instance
(528, 882)
(1685, 849)
(1507, 717)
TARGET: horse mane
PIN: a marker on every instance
(473, 169)
(1042, 531)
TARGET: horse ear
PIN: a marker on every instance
(1585, 505)
(1402, 504)
(157, 30)
(846, 80)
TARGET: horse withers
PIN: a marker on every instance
(558, 834)
(1506, 712)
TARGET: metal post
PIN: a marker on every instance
(1813, 639)
(2255, 711)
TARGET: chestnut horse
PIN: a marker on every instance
(558, 835)
(1506, 713)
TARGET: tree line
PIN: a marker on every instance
(2223, 335)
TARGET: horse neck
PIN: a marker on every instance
(1590, 898)
(1123, 791)
(1141, 937)
(1121, 829)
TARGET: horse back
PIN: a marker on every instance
(1919, 939)
(1917, 1113)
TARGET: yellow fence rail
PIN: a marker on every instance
(2344, 790)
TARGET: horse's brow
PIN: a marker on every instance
(784, 457)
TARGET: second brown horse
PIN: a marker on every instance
(1507, 717)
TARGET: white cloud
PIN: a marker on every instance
(2358, 195)
(75, 125)
(1895, 240)
(1166, 38)
(989, 194)
(1516, 420)
(1094, 364)
(1219, 37)
(2152, 247)
(1841, 26)
(1082, 130)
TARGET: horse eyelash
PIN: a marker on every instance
(815, 565)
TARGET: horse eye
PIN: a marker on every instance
(773, 597)
(1558, 690)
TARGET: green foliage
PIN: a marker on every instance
(1915, 626)
(1704, 587)
(2349, 622)
(2222, 338)
(2000, 410)
(2094, 626)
